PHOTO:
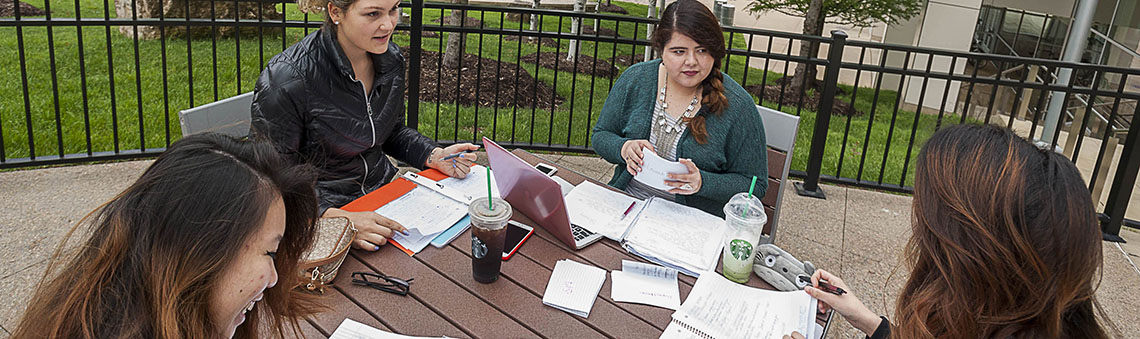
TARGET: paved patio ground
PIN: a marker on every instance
(855, 233)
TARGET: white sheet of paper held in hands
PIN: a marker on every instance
(645, 284)
(656, 170)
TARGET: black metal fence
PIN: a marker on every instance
(85, 85)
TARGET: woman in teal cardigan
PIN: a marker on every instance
(684, 109)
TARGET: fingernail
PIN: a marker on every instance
(377, 248)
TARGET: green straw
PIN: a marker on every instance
(744, 214)
(491, 205)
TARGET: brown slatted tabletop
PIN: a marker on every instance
(445, 300)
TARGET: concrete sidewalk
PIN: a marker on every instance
(854, 233)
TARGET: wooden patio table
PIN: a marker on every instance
(444, 299)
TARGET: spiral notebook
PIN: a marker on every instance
(718, 308)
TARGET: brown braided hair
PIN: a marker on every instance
(695, 20)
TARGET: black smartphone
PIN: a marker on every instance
(546, 169)
(517, 234)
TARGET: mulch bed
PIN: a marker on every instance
(7, 9)
(589, 30)
(507, 84)
(586, 64)
(629, 60)
(612, 8)
(771, 93)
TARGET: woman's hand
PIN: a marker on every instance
(631, 153)
(373, 229)
(794, 335)
(456, 167)
(685, 184)
(847, 304)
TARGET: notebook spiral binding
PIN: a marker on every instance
(694, 330)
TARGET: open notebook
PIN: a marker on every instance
(718, 308)
(661, 231)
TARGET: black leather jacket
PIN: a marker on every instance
(310, 106)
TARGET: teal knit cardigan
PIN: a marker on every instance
(734, 152)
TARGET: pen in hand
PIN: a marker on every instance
(456, 155)
(824, 286)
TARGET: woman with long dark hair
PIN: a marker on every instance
(208, 238)
(335, 100)
(1005, 244)
(683, 108)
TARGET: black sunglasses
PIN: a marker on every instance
(389, 284)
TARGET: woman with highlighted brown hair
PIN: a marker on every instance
(335, 100)
(1005, 244)
(683, 108)
(208, 238)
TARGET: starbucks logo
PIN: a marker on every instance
(741, 249)
(478, 248)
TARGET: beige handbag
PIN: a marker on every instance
(319, 265)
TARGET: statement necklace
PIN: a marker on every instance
(673, 128)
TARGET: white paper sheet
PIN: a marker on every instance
(424, 210)
(600, 210)
(724, 309)
(475, 184)
(414, 241)
(645, 284)
(351, 329)
(573, 287)
(677, 236)
(656, 170)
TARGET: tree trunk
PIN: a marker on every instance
(575, 27)
(454, 49)
(813, 25)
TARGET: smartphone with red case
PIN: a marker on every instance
(517, 234)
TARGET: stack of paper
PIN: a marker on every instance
(719, 308)
(601, 210)
(424, 213)
(676, 236)
(645, 284)
(573, 287)
(350, 329)
(655, 170)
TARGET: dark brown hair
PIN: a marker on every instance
(695, 20)
(159, 248)
(1005, 242)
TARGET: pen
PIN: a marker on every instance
(456, 155)
(824, 286)
(627, 209)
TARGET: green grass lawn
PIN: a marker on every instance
(141, 110)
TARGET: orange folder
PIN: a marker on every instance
(388, 193)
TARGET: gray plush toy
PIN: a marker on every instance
(781, 269)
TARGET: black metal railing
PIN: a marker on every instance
(97, 94)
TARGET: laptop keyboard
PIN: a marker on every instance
(579, 232)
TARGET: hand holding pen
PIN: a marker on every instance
(455, 160)
(834, 294)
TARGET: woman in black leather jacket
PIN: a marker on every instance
(336, 100)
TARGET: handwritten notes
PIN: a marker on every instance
(601, 210)
(645, 284)
(719, 308)
(573, 287)
(656, 170)
(424, 210)
(676, 236)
